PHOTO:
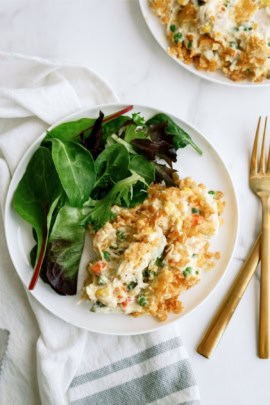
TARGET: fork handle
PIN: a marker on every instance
(264, 329)
(230, 303)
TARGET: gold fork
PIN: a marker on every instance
(259, 180)
(226, 310)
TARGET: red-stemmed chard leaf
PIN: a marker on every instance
(118, 113)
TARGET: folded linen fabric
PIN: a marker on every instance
(4, 334)
(73, 365)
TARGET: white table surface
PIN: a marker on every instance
(110, 36)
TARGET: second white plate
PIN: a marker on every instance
(158, 32)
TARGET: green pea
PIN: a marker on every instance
(142, 301)
(107, 256)
(177, 37)
(187, 271)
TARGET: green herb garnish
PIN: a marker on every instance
(132, 285)
(172, 28)
(233, 45)
(159, 262)
(100, 304)
(146, 274)
(120, 235)
(101, 281)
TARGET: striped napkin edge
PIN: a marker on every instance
(158, 375)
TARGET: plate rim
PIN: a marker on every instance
(191, 69)
(122, 105)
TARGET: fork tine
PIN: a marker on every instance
(268, 163)
(262, 158)
(253, 161)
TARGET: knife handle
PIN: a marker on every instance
(229, 305)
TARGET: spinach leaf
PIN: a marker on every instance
(143, 167)
(146, 169)
(120, 194)
(111, 166)
(180, 138)
(76, 170)
(139, 194)
(64, 250)
(70, 131)
(35, 199)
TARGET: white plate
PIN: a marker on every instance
(158, 32)
(208, 168)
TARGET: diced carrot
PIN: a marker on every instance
(196, 219)
(98, 267)
(126, 302)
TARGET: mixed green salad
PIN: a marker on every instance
(81, 169)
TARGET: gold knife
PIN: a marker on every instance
(229, 305)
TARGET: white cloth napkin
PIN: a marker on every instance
(72, 365)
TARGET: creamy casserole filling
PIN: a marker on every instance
(148, 255)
